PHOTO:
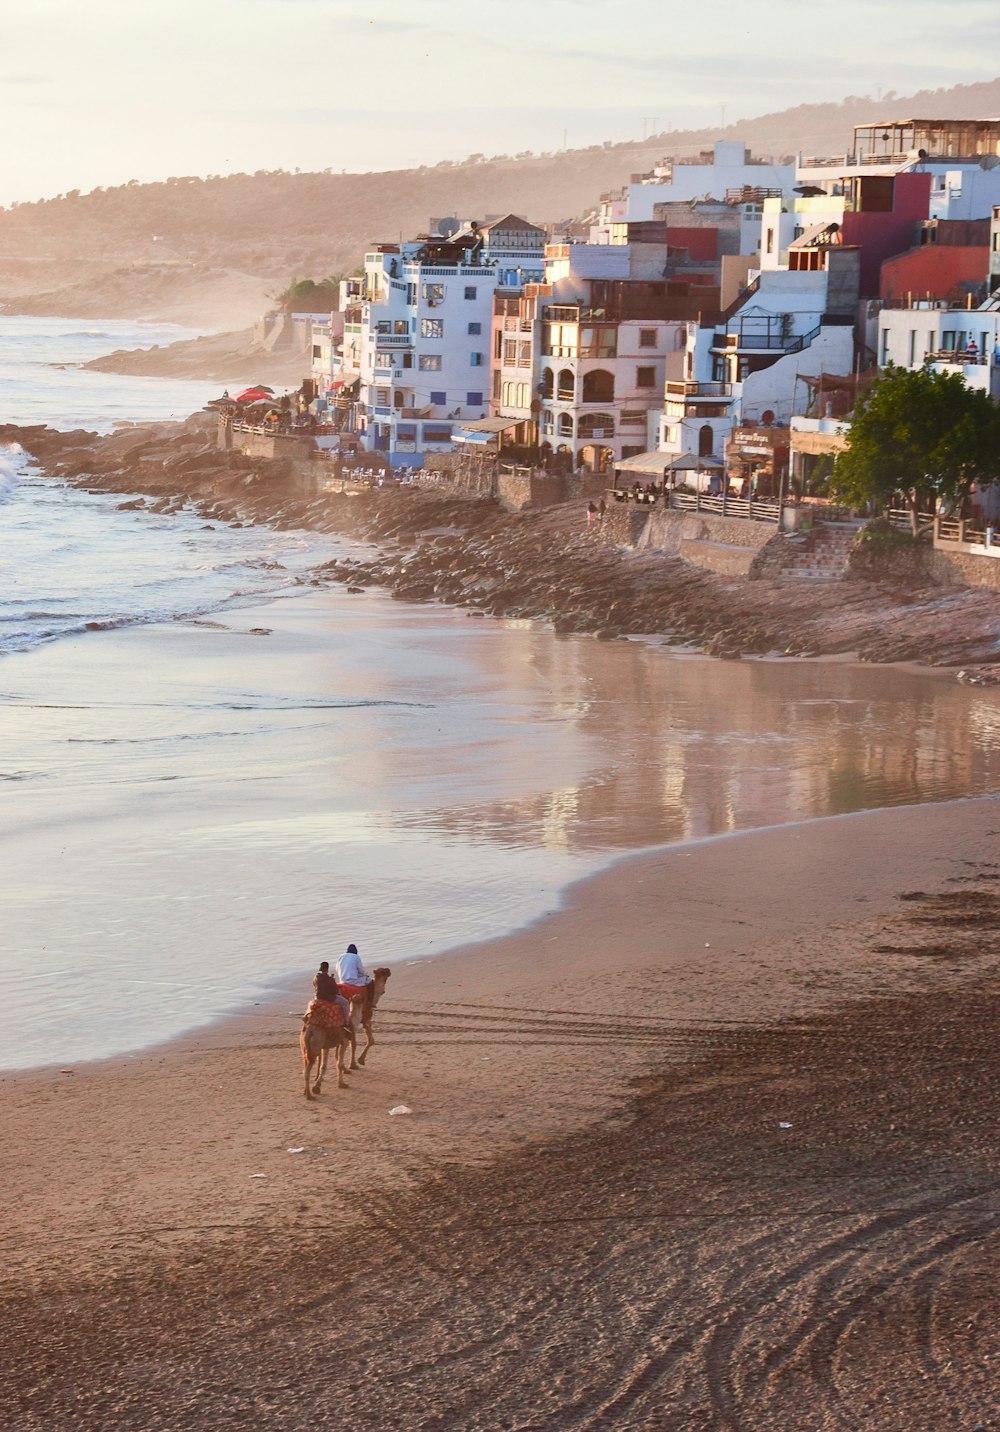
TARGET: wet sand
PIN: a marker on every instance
(595, 1216)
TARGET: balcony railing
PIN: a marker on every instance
(676, 388)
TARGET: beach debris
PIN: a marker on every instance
(258, 1175)
(400, 1109)
(300, 1150)
(783, 1125)
(67, 1071)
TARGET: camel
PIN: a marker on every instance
(364, 1004)
(316, 1043)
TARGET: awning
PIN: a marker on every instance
(344, 379)
(492, 426)
(653, 464)
(466, 435)
(687, 462)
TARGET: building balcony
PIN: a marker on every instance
(683, 389)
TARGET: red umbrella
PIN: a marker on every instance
(253, 395)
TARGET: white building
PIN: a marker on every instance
(417, 334)
(730, 172)
(957, 340)
(609, 332)
(747, 369)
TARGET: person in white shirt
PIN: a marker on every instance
(351, 973)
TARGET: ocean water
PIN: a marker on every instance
(41, 380)
(215, 769)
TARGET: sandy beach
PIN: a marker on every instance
(711, 1146)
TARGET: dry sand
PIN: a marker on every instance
(713, 1146)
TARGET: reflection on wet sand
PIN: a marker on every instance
(690, 747)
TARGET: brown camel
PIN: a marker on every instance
(316, 1043)
(363, 1006)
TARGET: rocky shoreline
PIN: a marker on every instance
(546, 565)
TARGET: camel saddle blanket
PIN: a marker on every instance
(324, 1015)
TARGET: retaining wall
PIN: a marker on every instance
(965, 569)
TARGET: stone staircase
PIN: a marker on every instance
(824, 556)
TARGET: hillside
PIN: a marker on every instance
(213, 250)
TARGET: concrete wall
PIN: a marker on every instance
(727, 544)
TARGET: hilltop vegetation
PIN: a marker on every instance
(217, 249)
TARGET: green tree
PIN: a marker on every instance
(925, 435)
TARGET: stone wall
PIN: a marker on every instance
(965, 569)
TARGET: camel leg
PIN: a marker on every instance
(369, 1041)
(307, 1061)
(341, 1050)
(321, 1059)
(353, 1037)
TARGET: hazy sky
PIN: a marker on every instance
(97, 92)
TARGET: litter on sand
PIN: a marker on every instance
(258, 1175)
(400, 1109)
(297, 1151)
(784, 1126)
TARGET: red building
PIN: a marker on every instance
(950, 262)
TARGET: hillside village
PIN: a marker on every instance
(705, 336)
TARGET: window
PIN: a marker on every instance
(439, 397)
(523, 400)
(559, 340)
(470, 291)
(498, 341)
(645, 377)
(437, 435)
(474, 400)
(476, 360)
(565, 425)
(433, 292)
(407, 360)
(598, 341)
(769, 246)
(510, 352)
(885, 347)
(913, 346)
(947, 342)
(382, 397)
(598, 386)
(432, 328)
(496, 382)
(647, 337)
(524, 355)
(317, 351)
(596, 425)
(430, 362)
(411, 294)
(475, 329)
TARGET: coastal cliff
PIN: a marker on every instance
(430, 544)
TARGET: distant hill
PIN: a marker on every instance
(213, 251)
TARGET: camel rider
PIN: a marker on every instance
(326, 991)
(352, 978)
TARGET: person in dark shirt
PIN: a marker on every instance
(325, 988)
